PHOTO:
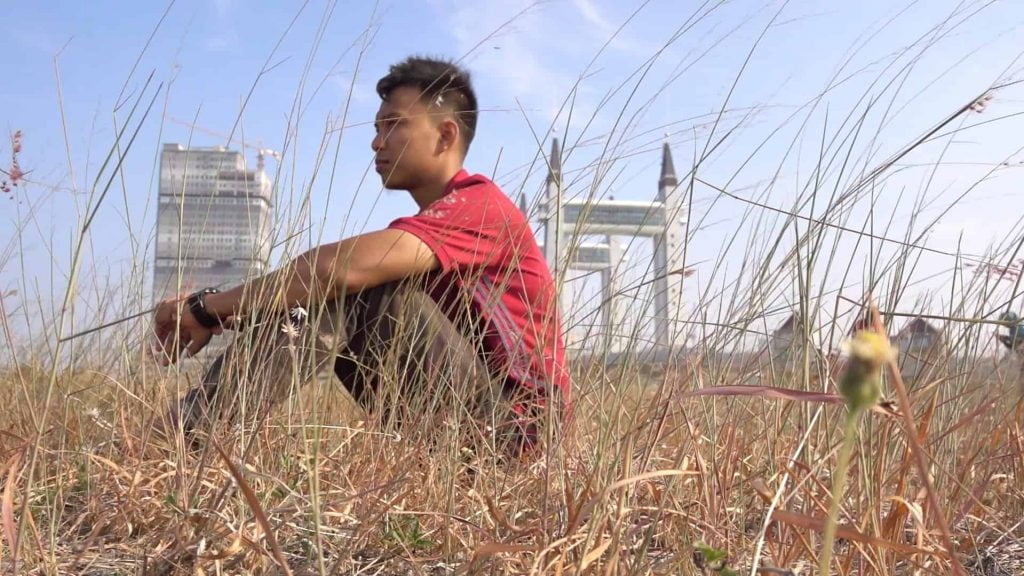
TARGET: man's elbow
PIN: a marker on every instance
(331, 276)
(317, 271)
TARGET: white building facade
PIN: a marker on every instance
(662, 220)
(214, 220)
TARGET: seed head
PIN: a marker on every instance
(862, 382)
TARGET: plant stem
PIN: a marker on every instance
(838, 482)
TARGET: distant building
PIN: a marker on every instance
(567, 221)
(780, 344)
(787, 345)
(213, 220)
(918, 337)
(922, 349)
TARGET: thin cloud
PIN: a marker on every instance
(34, 39)
(222, 7)
(593, 15)
(521, 56)
(603, 29)
(225, 41)
(363, 90)
(226, 37)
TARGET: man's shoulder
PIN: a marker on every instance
(478, 183)
(473, 200)
(481, 187)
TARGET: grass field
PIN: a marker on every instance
(648, 475)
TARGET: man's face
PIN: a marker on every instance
(407, 144)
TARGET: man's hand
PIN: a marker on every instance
(178, 331)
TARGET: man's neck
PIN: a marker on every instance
(429, 193)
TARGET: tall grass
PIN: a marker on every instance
(714, 461)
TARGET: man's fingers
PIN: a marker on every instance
(172, 350)
(197, 344)
(164, 344)
(172, 346)
(176, 341)
(166, 330)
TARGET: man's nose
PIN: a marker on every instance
(377, 144)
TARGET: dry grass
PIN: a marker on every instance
(646, 476)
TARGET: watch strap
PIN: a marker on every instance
(197, 306)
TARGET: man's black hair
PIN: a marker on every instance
(441, 83)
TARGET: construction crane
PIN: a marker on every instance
(261, 151)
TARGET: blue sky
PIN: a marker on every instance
(560, 67)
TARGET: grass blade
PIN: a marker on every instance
(7, 512)
(257, 510)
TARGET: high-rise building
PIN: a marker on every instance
(214, 220)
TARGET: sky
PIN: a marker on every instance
(740, 85)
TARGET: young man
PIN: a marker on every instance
(451, 309)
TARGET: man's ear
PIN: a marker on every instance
(449, 134)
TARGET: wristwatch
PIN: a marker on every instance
(197, 306)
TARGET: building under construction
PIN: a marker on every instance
(214, 220)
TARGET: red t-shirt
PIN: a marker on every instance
(488, 254)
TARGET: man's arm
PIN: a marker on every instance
(321, 274)
(351, 265)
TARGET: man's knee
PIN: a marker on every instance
(401, 331)
(395, 310)
(397, 298)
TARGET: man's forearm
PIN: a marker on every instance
(352, 264)
(295, 284)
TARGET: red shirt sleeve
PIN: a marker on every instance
(467, 229)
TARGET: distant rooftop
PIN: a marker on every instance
(173, 146)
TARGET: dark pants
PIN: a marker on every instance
(395, 351)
